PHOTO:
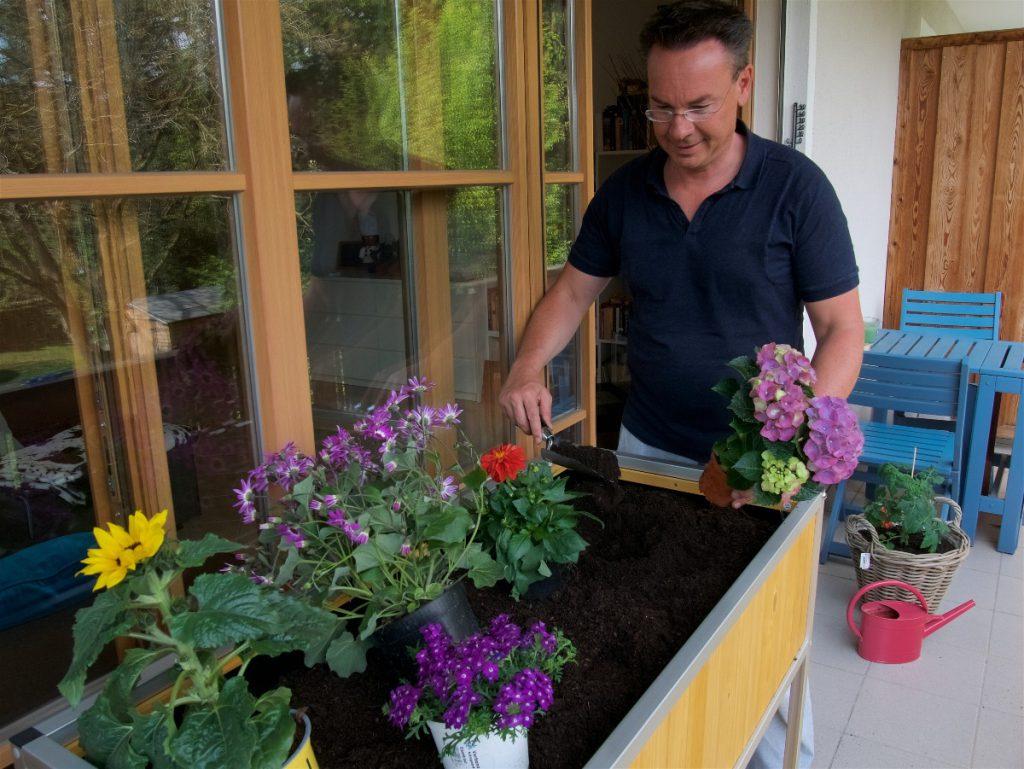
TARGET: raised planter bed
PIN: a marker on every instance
(684, 670)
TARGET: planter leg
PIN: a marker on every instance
(791, 758)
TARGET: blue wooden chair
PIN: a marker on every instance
(975, 316)
(889, 385)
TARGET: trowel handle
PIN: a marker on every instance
(883, 583)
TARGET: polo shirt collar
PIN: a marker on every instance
(746, 178)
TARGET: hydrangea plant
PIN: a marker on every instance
(494, 682)
(371, 518)
(210, 720)
(785, 442)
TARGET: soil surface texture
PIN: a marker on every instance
(650, 575)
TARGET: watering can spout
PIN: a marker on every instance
(944, 619)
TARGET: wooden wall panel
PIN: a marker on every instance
(957, 220)
(966, 135)
(917, 115)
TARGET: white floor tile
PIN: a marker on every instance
(838, 567)
(1013, 565)
(1004, 685)
(1010, 595)
(835, 646)
(968, 583)
(833, 693)
(971, 631)
(923, 724)
(826, 741)
(1007, 637)
(1000, 741)
(834, 593)
(942, 669)
(859, 753)
(984, 557)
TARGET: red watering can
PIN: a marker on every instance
(892, 631)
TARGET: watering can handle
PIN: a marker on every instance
(884, 583)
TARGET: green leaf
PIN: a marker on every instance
(744, 366)
(287, 571)
(448, 525)
(218, 736)
(107, 738)
(299, 627)
(95, 627)
(565, 546)
(276, 729)
(475, 479)
(727, 387)
(149, 737)
(749, 466)
(192, 553)
(230, 609)
(741, 405)
(346, 655)
(365, 557)
(483, 569)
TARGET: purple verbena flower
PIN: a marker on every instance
(404, 700)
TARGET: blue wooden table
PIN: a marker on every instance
(998, 367)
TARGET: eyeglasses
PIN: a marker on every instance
(695, 115)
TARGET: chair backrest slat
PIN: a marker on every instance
(975, 316)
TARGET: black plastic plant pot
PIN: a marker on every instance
(543, 589)
(391, 643)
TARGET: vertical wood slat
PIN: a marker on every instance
(119, 248)
(911, 184)
(272, 279)
(1006, 234)
(585, 137)
(966, 133)
(55, 128)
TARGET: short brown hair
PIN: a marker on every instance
(687, 22)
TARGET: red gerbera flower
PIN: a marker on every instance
(504, 462)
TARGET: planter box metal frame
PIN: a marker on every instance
(714, 700)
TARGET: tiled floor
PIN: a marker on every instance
(960, 705)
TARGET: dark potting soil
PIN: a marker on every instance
(649, 577)
(602, 461)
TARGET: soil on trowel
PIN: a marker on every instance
(601, 461)
(657, 563)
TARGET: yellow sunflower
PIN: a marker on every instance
(121, 551)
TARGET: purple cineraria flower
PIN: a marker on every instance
(417, 386)
(390, 466)
(449, 414)
(259, 579)
(315, 505)
(293, 536)
(405, 549)
(404, 700)
(246, 495)
(396, 506)
(447, 488)
(423, 417)
(835, 441)
(395, 399)
(258, 479)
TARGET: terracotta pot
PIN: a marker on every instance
(713, 485)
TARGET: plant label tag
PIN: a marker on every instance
(865, 560)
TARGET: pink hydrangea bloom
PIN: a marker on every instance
(779, 399)
(835, 441)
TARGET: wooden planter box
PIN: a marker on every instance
(711, 704)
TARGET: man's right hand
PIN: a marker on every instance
(526, 401)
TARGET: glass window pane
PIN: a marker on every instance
(398, 284)
(104, 306)
(392, 84)
(154, 100)
(559, 233)
(557, 77)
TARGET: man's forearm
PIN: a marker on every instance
(837, 360)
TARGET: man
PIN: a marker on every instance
(723, 239)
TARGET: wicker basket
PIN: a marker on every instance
(930, 573)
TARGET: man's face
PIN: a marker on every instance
(702, 76)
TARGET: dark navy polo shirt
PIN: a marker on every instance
(708, 290)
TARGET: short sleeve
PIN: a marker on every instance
(596, 250)
(824, 261)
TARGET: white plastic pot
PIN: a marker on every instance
(487, 752)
